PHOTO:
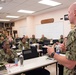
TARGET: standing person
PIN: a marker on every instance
(24, 45)
(69, 60)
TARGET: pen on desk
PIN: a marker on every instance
(49, 58)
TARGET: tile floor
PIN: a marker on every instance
(52, 69)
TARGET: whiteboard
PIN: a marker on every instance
(50, 30)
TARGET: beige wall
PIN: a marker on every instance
(31, 21)
(55, 14)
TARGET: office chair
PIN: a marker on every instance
(55, 40)
(32, 53)
(44, 50)
(39, 71)
(46, 42)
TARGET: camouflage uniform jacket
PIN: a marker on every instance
(42, 39)
(71, 51)
(25, 45)
(33, 40)
(5, 57)
(61, 40)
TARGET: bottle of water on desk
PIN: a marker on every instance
(21, 59)
(16, 61)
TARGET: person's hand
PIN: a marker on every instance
(62, 46)
(50, 49)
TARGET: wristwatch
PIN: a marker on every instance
(52, 54)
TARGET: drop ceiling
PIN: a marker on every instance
(10, 7)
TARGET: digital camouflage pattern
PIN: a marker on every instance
(25, 45)
(33, 40)
(71, 51)
(4, 57)
(42, 39)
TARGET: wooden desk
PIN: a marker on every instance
(31, 64)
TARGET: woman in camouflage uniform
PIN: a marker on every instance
(6, 54)
(24, 45)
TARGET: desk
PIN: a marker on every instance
(31, 64)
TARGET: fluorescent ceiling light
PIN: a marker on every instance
(4, 20)
(1, 8)
(49, 2)
(12, 16)
(25, 11)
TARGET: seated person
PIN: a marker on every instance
(10, 39)
(1, 41)
(27, 39)
(6, 54)
(43, 38)
(24, 45)
(33, 39)
(61, 39)
(16, 41)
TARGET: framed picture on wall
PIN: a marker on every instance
(66, 17)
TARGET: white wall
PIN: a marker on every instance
(55, 14)
(25, 26)
(19, 25)
(30, 22)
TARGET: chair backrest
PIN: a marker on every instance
(30, 53)
(56, 40)
(47, 42)
(44, 50)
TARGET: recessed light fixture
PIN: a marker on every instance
(2, 0)
(25, 11)
(1, 8)
(4, 20)
(12, 16)
(49, 2)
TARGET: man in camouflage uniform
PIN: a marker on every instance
(33, 39)
(69, 60)
(43, 38)
(61, 39)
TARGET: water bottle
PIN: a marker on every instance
(21, 59)
(16, 61)
(58, 49)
